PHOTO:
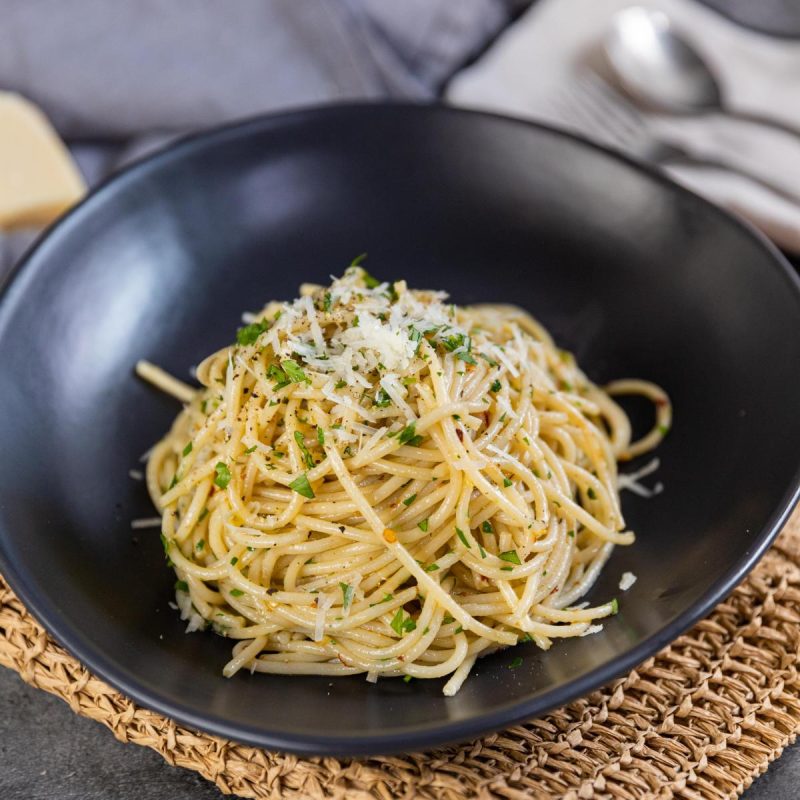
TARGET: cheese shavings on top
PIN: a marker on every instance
(360, 331)
(626, 581)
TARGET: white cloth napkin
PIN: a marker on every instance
(555, 43)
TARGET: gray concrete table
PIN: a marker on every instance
(49, 753)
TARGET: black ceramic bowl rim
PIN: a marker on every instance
(430, 735)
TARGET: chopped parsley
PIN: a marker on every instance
(510, 556)
(467, 357)
(409, 436)
(250, 333)
(454, 341)
(571, 534)
(301, 485)
(234, 561)
(615, 606)
(356, 262)
(293, 371)
(386, 599)
(516, 662)
(409, 500)
(276, 374)
(347, 595)
(327, 302)
(321, 437)
(402, 624)
(415, 336)
(408, 678)
(340, 384)
(507, 482)
(223, 476)
(592, 494)
(236, 592)
(200, 545)
(663, 429)
(423, 526)
(182, 586)
(463, 538)
(370, 281)
(432, 567)
(382, 398)
(301, 443)
(251, 450)
(526, 637)
(496, 386)
(487, 527)
(187, 449)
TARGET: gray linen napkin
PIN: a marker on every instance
(129, 73)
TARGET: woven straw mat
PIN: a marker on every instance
(701, 719)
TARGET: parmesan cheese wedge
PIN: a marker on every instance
(38, 178)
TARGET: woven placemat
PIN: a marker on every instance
(701, 719)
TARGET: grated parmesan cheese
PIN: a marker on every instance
(145, 522)
(626, 581)
(324, 602)
(188, 613)
(632, 480)
(350, 331)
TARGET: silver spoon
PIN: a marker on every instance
(657, 66)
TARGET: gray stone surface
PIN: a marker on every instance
(49, 753)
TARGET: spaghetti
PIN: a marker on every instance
(373, 481)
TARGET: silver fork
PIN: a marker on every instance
(594, 108)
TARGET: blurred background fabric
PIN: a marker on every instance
(119, 80)
(119, 70)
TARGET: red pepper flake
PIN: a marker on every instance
(389, 535)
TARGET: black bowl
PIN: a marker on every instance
(637, 276)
